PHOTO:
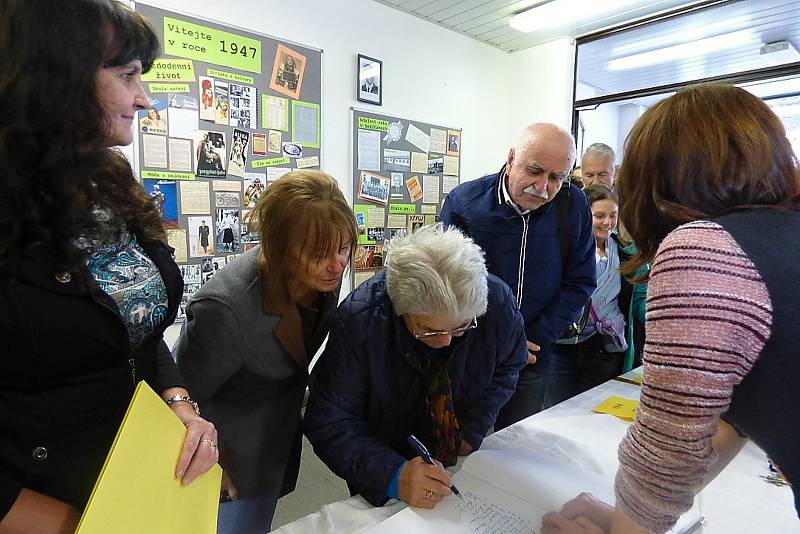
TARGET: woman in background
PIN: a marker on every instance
(87, 282)
(708, 173)
(605, 347)
(251, 332)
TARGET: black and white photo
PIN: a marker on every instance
(369, 82)
(228, 234)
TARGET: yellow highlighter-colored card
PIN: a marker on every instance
(137, 491)
(619, 407)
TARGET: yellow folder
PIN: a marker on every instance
(137, 492)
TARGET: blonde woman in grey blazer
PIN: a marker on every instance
(251, 331)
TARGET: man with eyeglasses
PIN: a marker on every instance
(538, 238)
(430, 347)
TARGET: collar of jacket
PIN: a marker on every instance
(275, 300)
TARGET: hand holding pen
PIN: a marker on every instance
(423, 481)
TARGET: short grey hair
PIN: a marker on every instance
(437, 271)
(600, 149)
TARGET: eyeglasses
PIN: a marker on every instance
(454, 332)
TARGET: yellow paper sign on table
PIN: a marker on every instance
(619, 407)
(137, 490)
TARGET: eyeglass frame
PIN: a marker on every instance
(436, 333)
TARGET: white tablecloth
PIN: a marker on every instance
(737, 501)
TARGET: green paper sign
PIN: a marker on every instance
(170, 70)
(367, 123)
(238, 78)
(402, 209)
(193, 41)
(162, 175)
(258, 163)
(168, 87)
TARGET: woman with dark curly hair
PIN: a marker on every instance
(87, 283)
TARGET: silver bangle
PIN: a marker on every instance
(184, 398)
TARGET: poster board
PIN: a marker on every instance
(231, 110)
(402, 172)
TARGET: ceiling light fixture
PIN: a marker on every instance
(682, 51)
(779, 53)
(564, 12)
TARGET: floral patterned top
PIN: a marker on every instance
(123, 271)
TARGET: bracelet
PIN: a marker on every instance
(184, 398)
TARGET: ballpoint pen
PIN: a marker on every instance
(423, 453)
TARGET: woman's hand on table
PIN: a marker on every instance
(585, 514)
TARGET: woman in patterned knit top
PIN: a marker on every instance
(708, 174)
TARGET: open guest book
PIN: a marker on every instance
(505, 492)
(137, 491)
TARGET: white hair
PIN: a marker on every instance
(552, 136)
(600, 149)
(437, 271)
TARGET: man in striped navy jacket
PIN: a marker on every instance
(510, 214)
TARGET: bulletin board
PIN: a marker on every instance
(402, 171)
(231, 110)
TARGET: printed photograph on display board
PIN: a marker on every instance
(224, 120)
(229, 236)
(402, 171)
(254, 185)
(164, 194)
(200, 237)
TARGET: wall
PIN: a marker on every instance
(430, 74)
(601, 125)
(628, 114)
(539, 85)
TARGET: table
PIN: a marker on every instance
(737, 501)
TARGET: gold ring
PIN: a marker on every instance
(210, 442)
(428, 494)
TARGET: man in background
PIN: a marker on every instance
(512, 215)
(597, 165)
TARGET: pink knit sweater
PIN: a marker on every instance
(708, 318)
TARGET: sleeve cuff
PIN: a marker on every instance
(394, 484)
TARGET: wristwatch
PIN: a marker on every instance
(184, 398)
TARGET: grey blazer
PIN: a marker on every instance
(245, 363)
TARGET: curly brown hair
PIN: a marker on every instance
(704, 151)
(55, 167)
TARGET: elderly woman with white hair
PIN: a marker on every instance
(432, 346)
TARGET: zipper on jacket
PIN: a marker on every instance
(522, 251)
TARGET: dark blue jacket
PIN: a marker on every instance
(550, 296)
(367, 388)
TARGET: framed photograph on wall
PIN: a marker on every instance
(369, 85)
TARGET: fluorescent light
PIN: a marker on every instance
(563, 12)
(682, 51)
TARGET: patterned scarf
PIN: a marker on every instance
(440, 433)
